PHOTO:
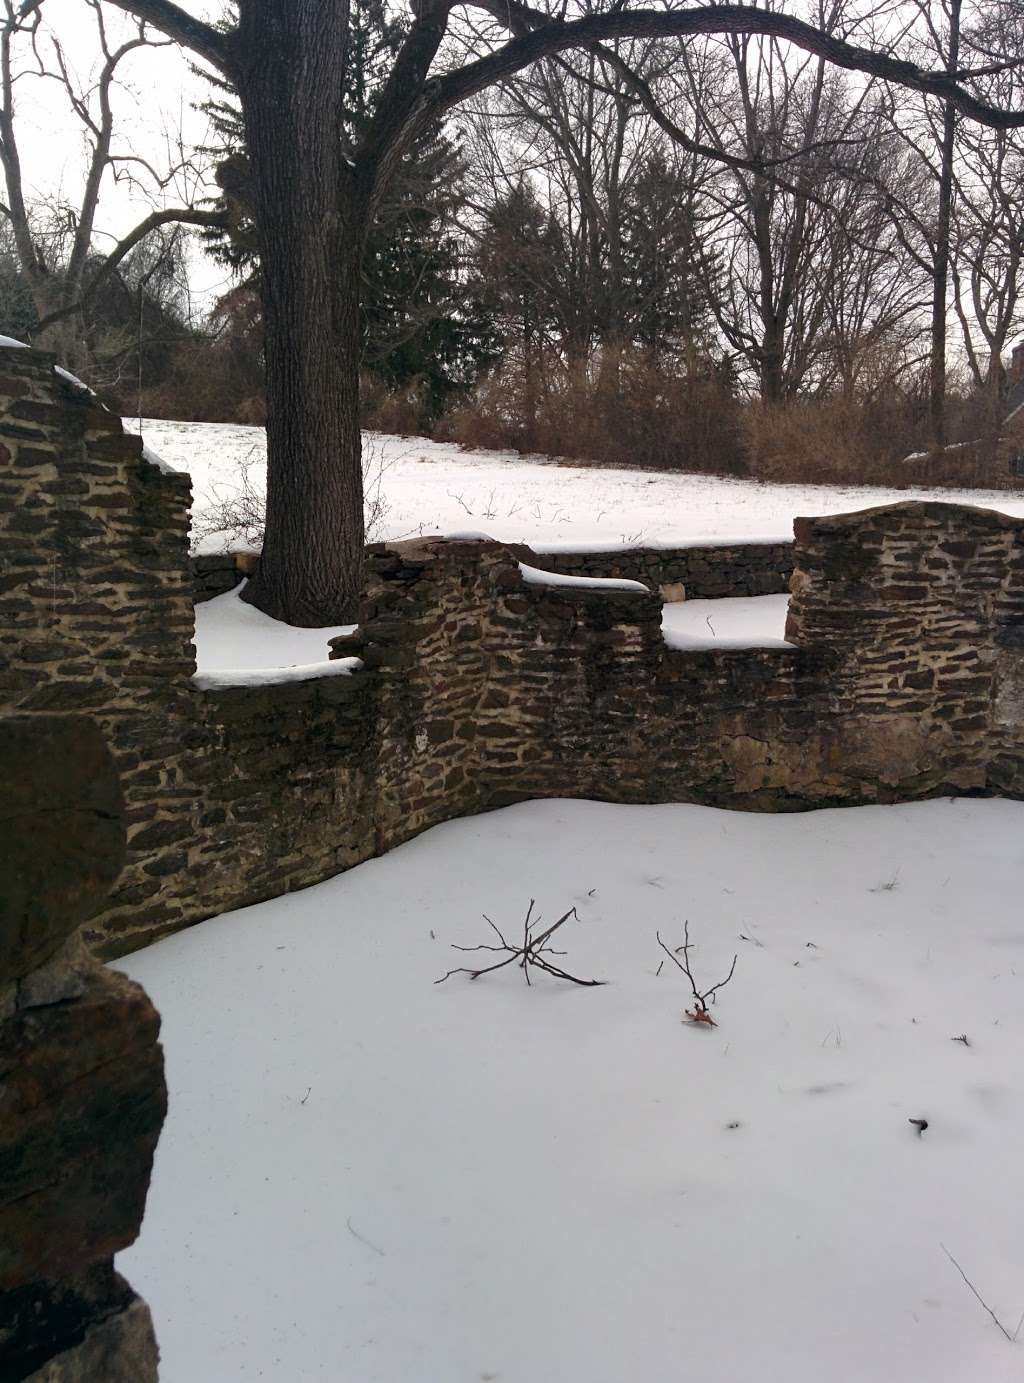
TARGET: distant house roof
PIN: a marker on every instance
(1014, 397)
(1015, 382)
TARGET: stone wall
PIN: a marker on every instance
(699, 571)
(479, 684)
(81, 1072)
(217, 573)
(95, 602)
(913, 602)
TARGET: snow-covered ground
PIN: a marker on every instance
(367, 1176)
(231, 635)
(737, 622)
(433, 488)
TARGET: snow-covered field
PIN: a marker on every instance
(433, 488)
(426, 487)
(367, 1176)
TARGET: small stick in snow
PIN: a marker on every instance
(306, 1095)
(356, 1235)
(919, 1124)
(699, 1013)
(962, 1038)
(531, 952)
(1012, 1338)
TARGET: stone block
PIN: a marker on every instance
(62, 840)
(83, 1102)
(90, 1329)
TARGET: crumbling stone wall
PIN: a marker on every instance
(95, 602)
(81, 1073)
(479, 685)
(216, 573)
(912, 605)
(698, 571)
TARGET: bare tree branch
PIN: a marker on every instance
(176, 23)
(533, 951)
(555, 37)
(187, 216)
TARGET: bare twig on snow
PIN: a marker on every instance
(533, 951)
(699, 1013)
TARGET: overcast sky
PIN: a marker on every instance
(154, 106)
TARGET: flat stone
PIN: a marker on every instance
(62, 834)
(83, 1100)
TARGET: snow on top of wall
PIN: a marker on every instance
(533, 576)
(273, 676)
(148, 454)
(658, 544)
(64, 374)
(73, 379)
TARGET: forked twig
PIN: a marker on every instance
(533, 951)
(699, 1013)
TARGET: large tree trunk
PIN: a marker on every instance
(772, 362)
(940, 272)
(311, 223)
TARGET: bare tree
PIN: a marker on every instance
(785, 215)
(945, 40)
(614, 199)
(988, 252)
(313, 202)
(56, 244)
(873, 292)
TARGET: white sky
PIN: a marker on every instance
(155, 102)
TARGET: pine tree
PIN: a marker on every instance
(667, 312)
(422, 324)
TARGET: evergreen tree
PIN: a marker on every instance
(521, 264)
(422, 325)
(667, 311)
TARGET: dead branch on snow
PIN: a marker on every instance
(699, 1013)
(532, 951)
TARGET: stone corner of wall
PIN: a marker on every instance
(808, 528)
(12, 357)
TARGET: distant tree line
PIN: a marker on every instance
(718, 255)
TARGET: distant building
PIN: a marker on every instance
(1012, 438)
(975, 462)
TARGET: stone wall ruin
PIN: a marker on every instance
(479, 685)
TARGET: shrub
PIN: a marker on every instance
(624, 408)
